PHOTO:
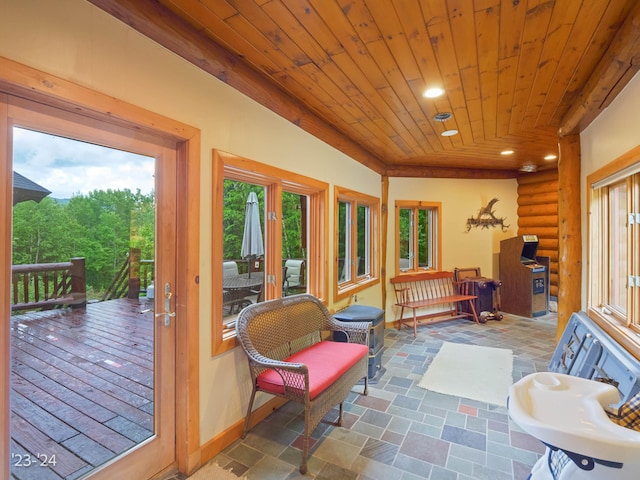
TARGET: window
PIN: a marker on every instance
(614, 246)
(285, 255)
(417, 236)
(356, 241)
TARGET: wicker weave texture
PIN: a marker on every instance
(272, 331)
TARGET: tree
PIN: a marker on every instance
(101, 227)
(235, 198)
(40, 232)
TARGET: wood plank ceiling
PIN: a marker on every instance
(515, 73)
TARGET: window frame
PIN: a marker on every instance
(436, 236)
(356, 283)
(623, 326)
(275, 181)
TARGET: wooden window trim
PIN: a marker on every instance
(418, 204)
(55, 92)
(625, 331)
(234, 167)
(355, 285)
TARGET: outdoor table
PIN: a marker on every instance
(238, 287)
(243, 281)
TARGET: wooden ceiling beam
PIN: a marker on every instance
(164, 27)
(450, 172)
(620, 62)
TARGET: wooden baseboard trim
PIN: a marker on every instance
(214, 446)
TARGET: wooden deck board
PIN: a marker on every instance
(68, 338)
(41, 419)
(51, 363)
(82, 386)
(96, 375)
(26, 434)
(29, 473)
(70, 334)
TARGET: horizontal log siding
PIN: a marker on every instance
(538, 215)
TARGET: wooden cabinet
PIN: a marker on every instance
(525, 277)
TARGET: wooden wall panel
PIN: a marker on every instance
(538, 215)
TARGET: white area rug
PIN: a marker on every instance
(471, 371)
(213, 471)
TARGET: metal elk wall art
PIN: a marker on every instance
(486, 218)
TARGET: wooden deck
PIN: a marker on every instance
(82, 387)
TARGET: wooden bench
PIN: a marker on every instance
(431, 289)
(291, 354)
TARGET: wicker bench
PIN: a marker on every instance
(291, 354)
(431, 289)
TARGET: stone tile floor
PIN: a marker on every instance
(400, 431)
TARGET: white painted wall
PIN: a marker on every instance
(74, 40)
(461, 199)
(608, 137)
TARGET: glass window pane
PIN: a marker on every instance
(405, 238)
(294, 243)
(344, 273)
(426, 235)
(363, 246)
(243, 246)
(355, 218)
(618, 271)
(424, 238)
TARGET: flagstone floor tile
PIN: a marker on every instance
(464, 437)
(404, 432)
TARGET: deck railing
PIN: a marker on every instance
(133, 277)
(48, 285)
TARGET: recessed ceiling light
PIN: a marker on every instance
(506, 152)
(432, 92)
(550, 157)
(449, 133)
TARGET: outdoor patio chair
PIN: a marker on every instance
(284, 280)
(229, 268)
(233, 300)
(295, 277)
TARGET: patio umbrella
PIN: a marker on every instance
(25, 189)
(252, 245)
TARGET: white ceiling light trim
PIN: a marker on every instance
(449, 133)
(433, 92)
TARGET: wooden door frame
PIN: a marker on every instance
(23, 81)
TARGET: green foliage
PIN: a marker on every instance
(101, 227)
(37, 229)
(412, 220)
(235, 199)
(293, 206)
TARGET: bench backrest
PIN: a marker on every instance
(279, 328)
(423, 286)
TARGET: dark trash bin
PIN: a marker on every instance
(487, 291)
(362, 313)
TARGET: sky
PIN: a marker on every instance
(67, 167)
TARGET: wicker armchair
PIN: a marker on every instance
(277, 333)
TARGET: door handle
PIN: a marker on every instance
(167, 306)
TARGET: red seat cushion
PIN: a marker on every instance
(326, 362)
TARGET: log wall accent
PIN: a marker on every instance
(384, 222)
(538, 215)
(570, 291)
